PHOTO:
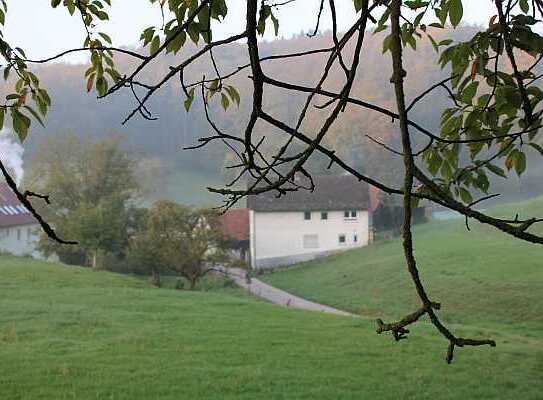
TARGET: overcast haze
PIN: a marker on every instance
(42, 31)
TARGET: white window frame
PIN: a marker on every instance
(350, 215)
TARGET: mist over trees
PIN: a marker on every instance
(174, 129)
(162, 140)
(94, 188)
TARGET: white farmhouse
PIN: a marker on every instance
(19, 231)
(303, 225)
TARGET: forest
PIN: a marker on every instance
(161, 142)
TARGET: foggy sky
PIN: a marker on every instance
(42, 31)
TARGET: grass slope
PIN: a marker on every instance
(482, 277)
(71, 333)
(189, 187)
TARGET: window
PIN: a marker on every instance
(311, 241)
(355, 238)
(18, 234)
(351, 214)
(342, 239)
(307, 215)
(28, 234)
(324, 215)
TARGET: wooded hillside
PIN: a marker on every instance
(164, 138)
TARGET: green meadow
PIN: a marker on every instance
(73, 333)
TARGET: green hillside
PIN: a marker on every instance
(190, 188)
(71, 333)
(482, 277)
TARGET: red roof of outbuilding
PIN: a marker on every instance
(375, 194)
(12, 212)
(235, 224)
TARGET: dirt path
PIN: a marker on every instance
(278, 296)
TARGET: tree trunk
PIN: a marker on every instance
(97, 260)
(155, 278)
(94, 260)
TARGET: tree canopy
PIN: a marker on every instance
(94, 186)
(493, 119)
(180, 239)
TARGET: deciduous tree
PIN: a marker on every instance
(181, 239)
(92, 186)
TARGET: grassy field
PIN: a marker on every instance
(71, 333)
(190, 188)
(483, 278)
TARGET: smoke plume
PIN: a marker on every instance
(11, 154)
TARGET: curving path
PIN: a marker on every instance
(278, 296)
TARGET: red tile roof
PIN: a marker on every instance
(375, 194)
(235, 224)
(12, 212)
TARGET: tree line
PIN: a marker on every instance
(96, 188)
(165, 137)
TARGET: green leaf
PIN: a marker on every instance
(520, 162)
(456, 11)
(534, 145)
(224, 101)
(469, 92)
(6, 72)
(203, 17)
(387, 43)
(155, 45)
(465, 195)
(106, 37)
(55, 3)
(233, 93)
(102, 15)
(434, 161)
(275, 24)
(20, 124)
(35, 115)
(175, 45)
(358, 5)
(189, 100)
(101, 86)
(194, 32)
(45, 96)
